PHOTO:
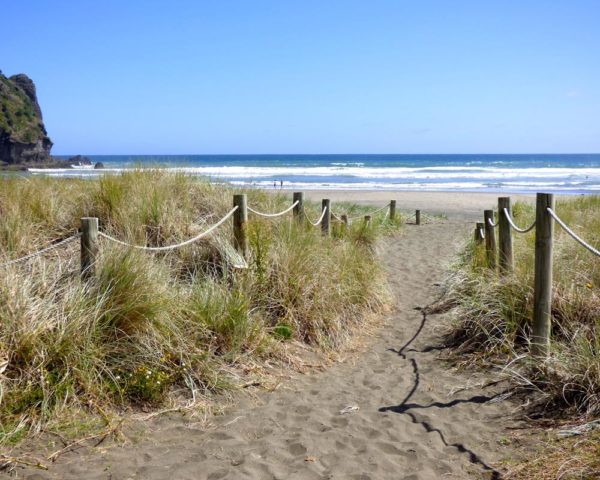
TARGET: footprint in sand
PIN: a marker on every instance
(297, 449)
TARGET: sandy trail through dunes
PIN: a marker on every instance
(417, 418)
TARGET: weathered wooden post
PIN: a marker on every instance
(542, 307)
(418, 217)
(326, 222)
(344, 218)
(240, 217)
(505, 248)
(392, 210)
(479, 233)
(89, 247)
(299, 208)
(368, 221)
(490, 239)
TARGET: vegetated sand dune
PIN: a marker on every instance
(417, 418)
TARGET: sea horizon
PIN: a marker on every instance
(577, 173)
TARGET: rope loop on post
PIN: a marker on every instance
(372, 213)
(42, 251)
(512, 223)
(171, 247)
(318, 222)
(576, 237)
(492, 224)
(272, 215)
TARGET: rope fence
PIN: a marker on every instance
(318, 222)
(576, 237)
(273, 215)
(90, 232)
(545, 217)
(514, 226)
(172, 247)
(42, 251)
(370, 214)
(491, 223)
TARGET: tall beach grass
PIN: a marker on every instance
(156, 329)
(493, 325)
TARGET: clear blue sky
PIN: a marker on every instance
(279, 76)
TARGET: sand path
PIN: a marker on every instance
(417, 418)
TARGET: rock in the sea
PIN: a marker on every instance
(99, 165)
(80, 160)
(23, 137)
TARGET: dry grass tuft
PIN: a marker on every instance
(161, 330)
(493, 326)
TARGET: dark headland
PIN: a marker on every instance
(24, 141)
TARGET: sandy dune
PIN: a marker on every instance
(416, 417)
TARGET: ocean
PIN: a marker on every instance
(519, 173)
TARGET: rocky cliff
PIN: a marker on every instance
(23, 137)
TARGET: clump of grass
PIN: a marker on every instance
(494, 314)
(570, 458)
(493, 326)
(155, 328)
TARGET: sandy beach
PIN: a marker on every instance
(409, 416)
(456, 205)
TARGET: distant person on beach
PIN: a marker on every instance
(274, 184)
(280, 183)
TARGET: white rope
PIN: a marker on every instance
(512, 224)
(271, 215)
(372, 213)
(481, 233)
(314, 224)
(178, 245)
(336, 217)
(492, 224)
(572, 233)
(43, 250)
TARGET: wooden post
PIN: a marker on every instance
(418, 217)
(367, 221)
(478, 232)
(392, 210)
(344, 218)
(344, 225)
(240, 217)
(326, 223)
(505, 248)
(542, 306)
(490, 239)
(89, 247)
(299, 209)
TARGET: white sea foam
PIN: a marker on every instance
(369, 172)
(353, 176)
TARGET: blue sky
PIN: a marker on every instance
(284, 76)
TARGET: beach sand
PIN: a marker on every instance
(417, 418)
(456, 205)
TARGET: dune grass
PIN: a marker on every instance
(494, 315)
(156, 329)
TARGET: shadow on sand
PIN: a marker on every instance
(403, 407)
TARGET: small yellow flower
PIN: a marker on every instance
(589, 285)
